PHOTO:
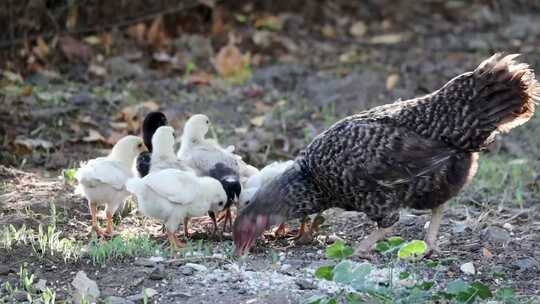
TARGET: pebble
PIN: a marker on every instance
(179, 294)
(157, 274)
(149, 292)
(20, 296)
(305, 284)
(186, 270)
(197, 267)
(527, 263)
(144, 262)
(496, 234)
(117, 300)
(468, 268)
(5, 270)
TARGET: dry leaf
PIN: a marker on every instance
(358, 29)
(230, 63)
(26, 91)
(218, 25)
(271, 22)
(41, 49)
(32, 144)
(75, 127)
(97, 70)
(92, 40)
(119, 125)
(391, 81)
(115, 136)
(328, 31)
(94, 136)
(261, 107)
(106, 41)
(74, 49)
(138, 32)
(200, 78)
(486, 253)
(257, 121)
(156, 36)
(130, 114)
(73, 16)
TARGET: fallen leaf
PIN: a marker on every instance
(106, 41)
(257, 121)
(358, 29)
(115, 136)
(41, 49)
(468, 268)
(73, 16)
(94, 136)
(272, 23)
(92, 40)
(26, 91)
(32, 144)
(218, 25)
(97, 70)
(74, 49)
(200, 78)
(387, 39)
(13, 77)
(328, 31)
(138, 32)
(261, 107)
(231, 64)
(75, 127)
(391, 81)
(486, 253)
(119, 125)
(130, 114)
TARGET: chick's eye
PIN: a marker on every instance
(220, 204)
(139, 146)
(207, 122)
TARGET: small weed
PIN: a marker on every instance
(119, 248)
(26, 280)
(50, 242)
(10, 236)
(68, 176)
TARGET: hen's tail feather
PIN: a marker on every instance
(467, 113)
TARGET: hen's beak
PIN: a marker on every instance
(247, 228)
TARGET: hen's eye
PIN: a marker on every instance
(247, 203)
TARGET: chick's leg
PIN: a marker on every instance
(304, 235)
(173, 240)
(186, 228)
(366, 245)
(280, 231)
(433, 229)
(93, 214)
(109, 229)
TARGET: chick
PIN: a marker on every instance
(102, 180)
(172, 196)
(151, 123)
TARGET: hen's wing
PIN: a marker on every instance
(104, 171)
(176, 186)
(356, 155)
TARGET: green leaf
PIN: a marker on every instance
(343, 272)
(413, 250)
(403, 275)
(317, 299)
(456, 287)
(426, 285)
(432, 264)
(353, 298)
(382, 247)
(324, 272)
(331, 301)
(506, 295)
(338, 251)
(483, 291)
(395, 241)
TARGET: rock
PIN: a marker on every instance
(84, 288)
(305, 284)
(197, 267)
(187, 271)
(468, 268)
(262, 38)
(358, 29)
(527, 263)
(496, 234)
(118, 300)
(5, 270)
(157, 274)
(20, 296)
(144, 262)
(147, 292)
(41, 285)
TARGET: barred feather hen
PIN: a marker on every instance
(414, 153)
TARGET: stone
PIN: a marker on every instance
(496, 234)
(304, 284)
(186, 270)
(157, 274)
(197, 267)
(144, 262)
(84, 288)
(118, 300)
(148, 292)
(468, 268)
(527, 263)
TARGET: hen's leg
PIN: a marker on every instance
(186, 227)
(93, 214)
(433, 229)
(304, 234)
(317, 222)
(366, 245)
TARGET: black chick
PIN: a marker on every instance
(151, 123)
(415, 153)
(230, 181)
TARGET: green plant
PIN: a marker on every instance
(26, 280)
(398, 286)
(120, 247)
(68, 176)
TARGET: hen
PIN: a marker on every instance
(415, 153)
(102, 180)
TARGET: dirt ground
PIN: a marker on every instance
(308, 78)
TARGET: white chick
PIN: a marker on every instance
(172, 195)
(163, 156)
(264, 176)
(210, 159)
(102, 180)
